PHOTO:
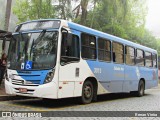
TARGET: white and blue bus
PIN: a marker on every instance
(59, 59)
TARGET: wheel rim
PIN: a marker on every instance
(87, 91)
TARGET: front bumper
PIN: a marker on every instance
(48, 90)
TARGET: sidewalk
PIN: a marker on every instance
(2, 90)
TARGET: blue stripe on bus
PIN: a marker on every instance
(37, 77)
(120, 77)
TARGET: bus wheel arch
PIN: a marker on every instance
(90, 84)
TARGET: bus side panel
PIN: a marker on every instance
(150, 76)
(133, 74)
(71, 80)
(131, 78)
(109, 75)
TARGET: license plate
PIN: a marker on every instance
(22, 90)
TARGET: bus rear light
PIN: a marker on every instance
(49, 76)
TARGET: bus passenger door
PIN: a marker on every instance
(69, 64)
(118, 67)
(117, 78)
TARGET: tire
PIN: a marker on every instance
(87, 93)
(141, 88)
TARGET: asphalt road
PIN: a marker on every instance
(109, 102)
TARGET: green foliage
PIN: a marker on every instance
(34, 9)
(122, 18)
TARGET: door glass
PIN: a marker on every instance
(69, 48)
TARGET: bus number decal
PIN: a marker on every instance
(97, 70)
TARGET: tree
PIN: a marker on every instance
(2, 13)
(84, 4)
(34, 9)
(8, 13)
(64, 10)
(110, 16)
(122, 18)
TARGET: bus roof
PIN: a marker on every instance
(108, 36)
(88, 30)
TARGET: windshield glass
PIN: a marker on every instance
(33, 50)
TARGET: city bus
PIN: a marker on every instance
(54, 59)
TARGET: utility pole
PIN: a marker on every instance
(6, 24)
(7, 15)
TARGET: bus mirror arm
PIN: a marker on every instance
(9, 35)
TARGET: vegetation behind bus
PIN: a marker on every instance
(123, 18)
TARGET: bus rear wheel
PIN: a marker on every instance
(87, 92)
(141, 88)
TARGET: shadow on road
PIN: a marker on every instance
(68, 102)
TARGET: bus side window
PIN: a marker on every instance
(148, 59)
(88, 46)
(154, 60)
(104, 49)
(118, 52)
(129, 55)
(69, 48)
(140, 60)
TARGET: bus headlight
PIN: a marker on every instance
(49, 76)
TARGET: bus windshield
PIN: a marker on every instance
(39, 48)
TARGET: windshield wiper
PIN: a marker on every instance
(39, 37)
(36, 41)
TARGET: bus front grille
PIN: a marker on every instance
(26, 82)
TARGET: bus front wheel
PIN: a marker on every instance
(87, 92)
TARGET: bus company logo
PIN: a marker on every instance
(6, 114)
(116, 68)
(138, 73)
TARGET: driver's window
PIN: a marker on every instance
(69, 48)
